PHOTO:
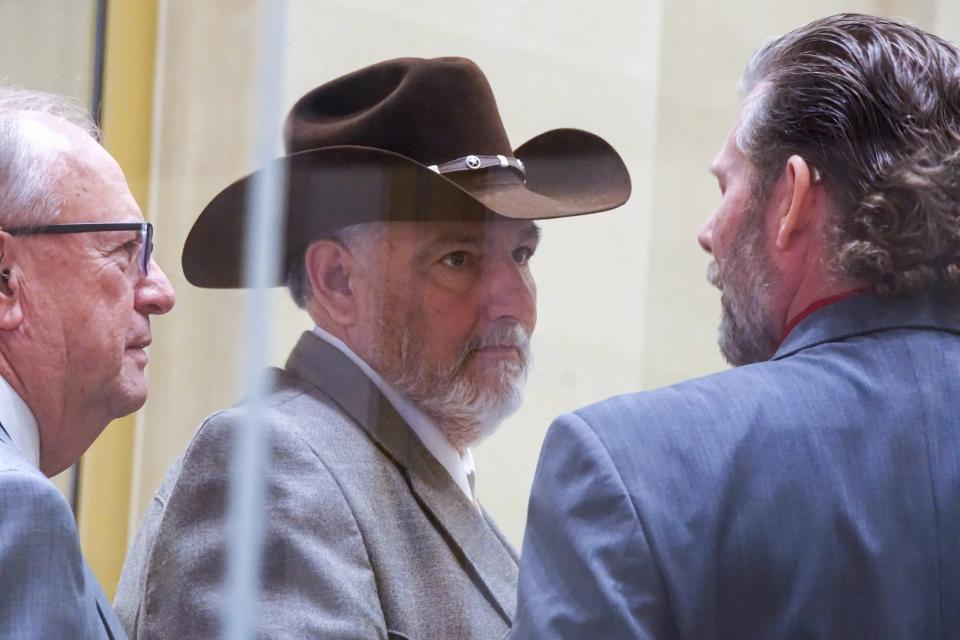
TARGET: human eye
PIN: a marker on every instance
(455, 259)
(132, 246)
(130, 250)
(522, 255)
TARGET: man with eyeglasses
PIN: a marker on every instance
(77, 289)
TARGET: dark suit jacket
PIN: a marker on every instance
(816, 495)
(367, 535)
(46, 589)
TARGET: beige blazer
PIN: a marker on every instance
(367, 536)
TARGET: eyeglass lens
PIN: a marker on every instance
(146, 248)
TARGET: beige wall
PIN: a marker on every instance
(622, 296)
(48, 45)
(946, 19)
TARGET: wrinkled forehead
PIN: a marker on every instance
(490, 229)
(61, 148)
(87, 179)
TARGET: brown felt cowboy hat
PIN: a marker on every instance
(407, 139)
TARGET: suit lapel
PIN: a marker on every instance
(485, 555)
(492, 562)
(108, 618)
(502, 538)
(103, 621)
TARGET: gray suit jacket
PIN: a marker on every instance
(46, 589)
(816, 495)
(367, 536)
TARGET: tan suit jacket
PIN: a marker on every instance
(367, 536)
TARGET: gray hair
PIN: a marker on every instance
(27, 192)
(359, 239)
(875, 106)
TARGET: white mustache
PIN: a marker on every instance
(713, 275)
(504, 335)
(509, 334)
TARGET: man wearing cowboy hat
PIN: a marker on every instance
(408, 234)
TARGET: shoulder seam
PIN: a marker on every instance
(642, 525)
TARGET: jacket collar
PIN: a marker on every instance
(869, 313)
(108, 618)
(487, 556)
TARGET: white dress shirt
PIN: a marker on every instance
(460, 467)
(19, 423)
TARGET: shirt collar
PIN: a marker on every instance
(458, 466)
(816, 306)
(869, 313)
(19, 423)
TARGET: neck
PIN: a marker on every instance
(58, 421)
(810, 294)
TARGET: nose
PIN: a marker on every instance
(705, 235)
(154, 294)
(510, 293)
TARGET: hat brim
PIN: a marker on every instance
(568, 172)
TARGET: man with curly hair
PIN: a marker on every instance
(812, 490)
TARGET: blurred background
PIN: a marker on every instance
(623, 301)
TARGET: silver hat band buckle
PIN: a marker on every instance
(475, 162)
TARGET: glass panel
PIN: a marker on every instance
(622, 302)
(48, 45)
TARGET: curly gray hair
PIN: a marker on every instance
(875, 105)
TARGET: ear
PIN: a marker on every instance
(334, 280)
(801, 179)
(11, 309)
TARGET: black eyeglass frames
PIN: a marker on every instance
(145, 229)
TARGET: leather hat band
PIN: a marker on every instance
(475, 162)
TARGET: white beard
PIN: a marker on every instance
(465, 411)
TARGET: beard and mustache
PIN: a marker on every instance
(468, 410)
(466, 407)
(746, 279)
